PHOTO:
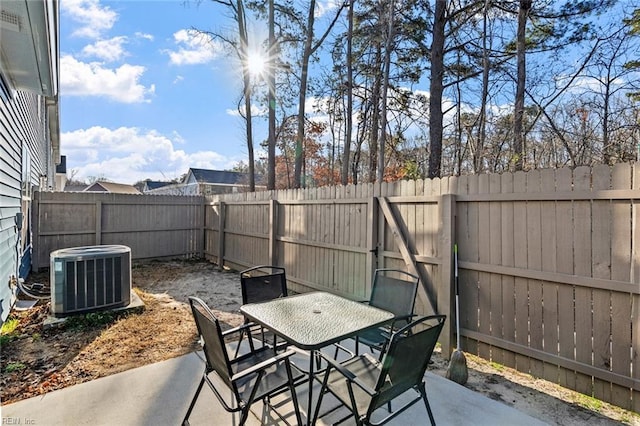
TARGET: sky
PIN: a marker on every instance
(141, 96)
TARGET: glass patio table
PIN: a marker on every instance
(311, 321)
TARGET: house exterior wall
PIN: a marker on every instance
(25, 157)
(29, 131)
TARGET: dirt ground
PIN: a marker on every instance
(36, 360)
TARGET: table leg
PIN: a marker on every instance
(310, 401)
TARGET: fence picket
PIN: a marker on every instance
(601, 236)
(484, 256)
(508, 259)
(534, 261)
(520, 259)
(495, 258)
(582, 260)
(550, 308)
(564, 260)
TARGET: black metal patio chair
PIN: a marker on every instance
(395, 291)
(260, 284)
(364, 384)
(251, 377)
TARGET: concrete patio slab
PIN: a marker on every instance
(159, 394)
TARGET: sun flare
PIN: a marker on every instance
(256, 64)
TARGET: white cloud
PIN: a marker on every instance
(94, 18)
(108, 50)
(149, 37)
(93, 79)
(129, 154)
(324, 7)
(193, 48)
(256, 111)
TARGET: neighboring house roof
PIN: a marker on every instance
(220, 177)
(74, 188)
(119, 188)
(154, 184)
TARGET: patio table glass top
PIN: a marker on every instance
(313, 320)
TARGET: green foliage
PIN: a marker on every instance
(634, 29)
(90, 320)
(7, 333)
(497, 366)
(10, 325)
(14, 366)
(411, 170)
(589, 403)
(634, 22)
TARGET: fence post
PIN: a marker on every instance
(98, 222)
(446, 288)
(204, 204)
(35, 232)
(273, 231)
(372, 239)
(221, 211)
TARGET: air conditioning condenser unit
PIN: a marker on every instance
(91, 278)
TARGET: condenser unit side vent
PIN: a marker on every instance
(9, 21)
(91, 278)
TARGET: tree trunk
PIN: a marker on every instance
(297, 182)
(385, 90)
(346, 155)
(518, 133)
(482, 130)
(271, 99)
(375, 118)
(246, 81)
(436, 88)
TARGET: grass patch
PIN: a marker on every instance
(10, 325)
(497, 366)
(589, 403)
(90, 320)
(7, 333)
(14, 366)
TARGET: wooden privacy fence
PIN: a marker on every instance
(549, 259)
(153, 226)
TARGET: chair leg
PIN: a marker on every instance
(292, 389)
(354, 405)
(323, 390)
(423, 392)
(244, 415)
(185, 421)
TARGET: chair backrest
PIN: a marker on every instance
(263, 283)
(406, 360)
(394, 291)
(214, 347)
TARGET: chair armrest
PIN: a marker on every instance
(339, 346)
(237, 329)
(347, 374)
(262, 365)
(403, 317)
(335, 364)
